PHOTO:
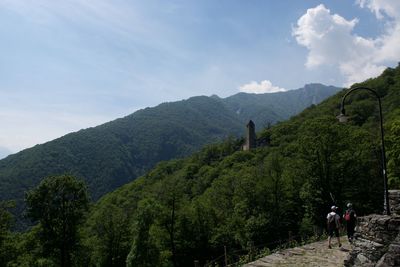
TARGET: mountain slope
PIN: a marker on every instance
(279, 106)
(112, 154)
(222, 197)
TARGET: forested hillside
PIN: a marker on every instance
(190, 209)
(112, 154)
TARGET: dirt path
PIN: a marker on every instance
(311, 255)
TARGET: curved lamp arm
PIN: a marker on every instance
(343, 118)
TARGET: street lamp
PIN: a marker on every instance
(343, 118)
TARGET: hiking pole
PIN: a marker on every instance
(333, 198)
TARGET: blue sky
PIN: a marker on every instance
(73, 64)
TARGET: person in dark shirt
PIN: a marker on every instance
(350, 217)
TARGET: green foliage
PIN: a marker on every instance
(393, 141)
(58, 203)
(27, 250)
(190, 209)
(110, 236)
(145, 248)
(7, 250)
(115, 153)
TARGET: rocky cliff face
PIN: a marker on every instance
(377, 238)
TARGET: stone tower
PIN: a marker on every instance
(250, 136)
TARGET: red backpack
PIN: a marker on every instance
(347, 216)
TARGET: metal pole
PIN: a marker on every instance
(386, 207)
(226, 257)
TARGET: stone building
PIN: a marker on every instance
(251, 139)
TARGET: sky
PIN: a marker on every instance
(73, 64)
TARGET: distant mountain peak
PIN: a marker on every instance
(318, 85)
(215, 96)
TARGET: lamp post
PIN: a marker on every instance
(343, 118)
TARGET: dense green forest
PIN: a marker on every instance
(189, 209)
(115, 153)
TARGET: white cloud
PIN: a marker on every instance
(389, 48)
(380, 7)
(331, 41)
(260, 88)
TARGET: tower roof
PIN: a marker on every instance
(250, 123)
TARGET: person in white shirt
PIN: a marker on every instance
(333, 224)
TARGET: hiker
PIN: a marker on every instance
(333, 224)
(350, 217)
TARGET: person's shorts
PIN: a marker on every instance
(332, 232)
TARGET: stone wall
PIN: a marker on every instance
(377, 238)
(394, 201)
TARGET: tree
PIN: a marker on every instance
(6, 220)
(145, 251)
(393, 141)
(110, 236)
(59, 204)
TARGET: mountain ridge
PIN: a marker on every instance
(224, 201)
(114, 153)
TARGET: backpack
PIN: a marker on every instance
(332, 222)
(347, 216)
